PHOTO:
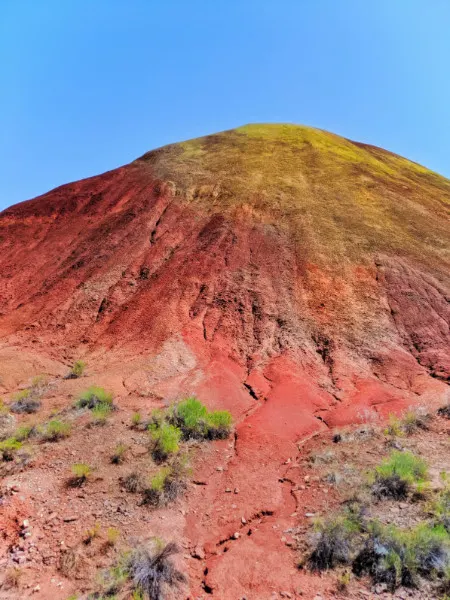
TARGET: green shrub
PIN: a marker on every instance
(112, 536)
(440, 508)
(388, 554)
(166, 440)
(219, 424)
(38, 382)
(158, 416)
(167, 484)
(394, 427)
(136, 419)
(94, 396)
(335, 543)
(81, 472)
(100, 413)
(343, 581)
(194, 420)
(25, 402)
(118, 455)
(191, 415)
(398, 474)
(9, 447)
(92, 533)
(56, 430)
(415, 420)
(77, 369)
(158, 481)
(398, 557)
(24, 432)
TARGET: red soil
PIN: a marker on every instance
(175, 298)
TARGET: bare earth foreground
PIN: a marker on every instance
(290, 276)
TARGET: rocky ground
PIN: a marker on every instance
(242, 533)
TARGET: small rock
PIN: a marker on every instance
(285, 594)
(36, 588)
(236, 490)
(236, 535)
(243, 520)
(309, 514)
(228, 490)
(220, 469)
(26, 523)
(70, 518)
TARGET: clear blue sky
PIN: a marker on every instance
(88, 85)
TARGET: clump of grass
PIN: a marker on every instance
(94, 396)
(91, 534)
(81, 473)
(343, 581)
(335, 543)
(132, 482)
(439, 508)
(77, 370)
(166, 440)
(24, 432)
(152, 571)
(398, 475)
(100, 413)
(118, 456)
(112, 536)
(146, 572)
(219, 424)
(398, 557)
(411, 421)
(196, 422)
(167, 484)
(13, 577)
(394, 427)
(25, 402)
(39, 381)
(388, 554)
(56, 430)
(9, 447)
(415, 420)
(136, 420)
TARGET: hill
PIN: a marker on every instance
(289, 275)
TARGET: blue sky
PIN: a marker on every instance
(88, 85)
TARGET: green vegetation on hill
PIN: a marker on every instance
(320, 186)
